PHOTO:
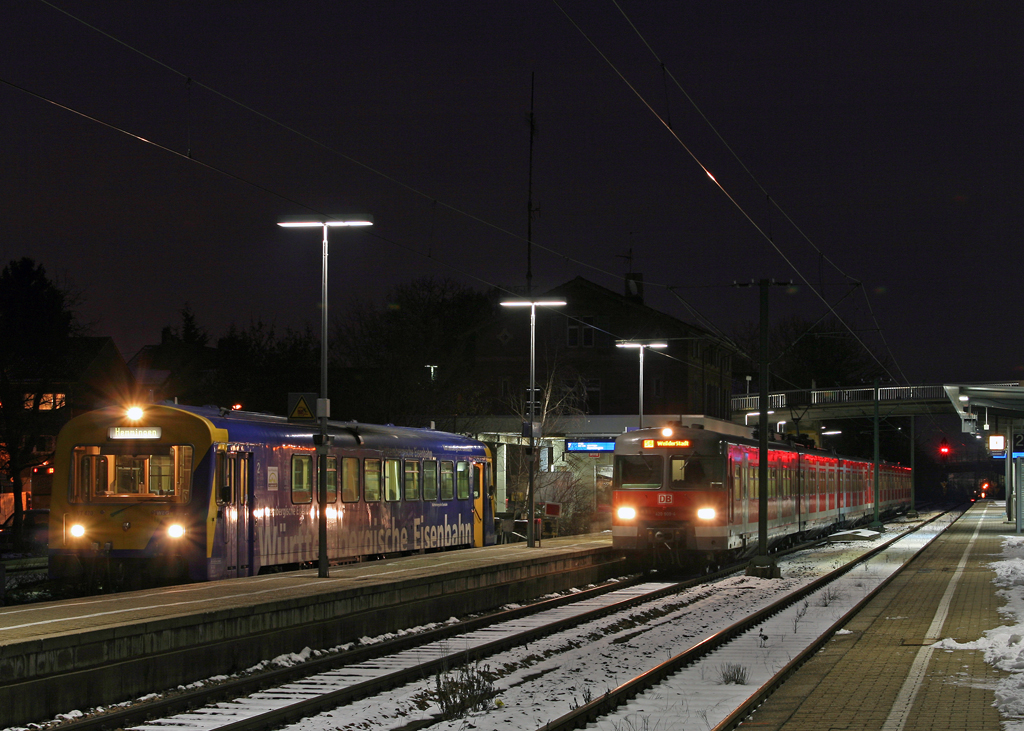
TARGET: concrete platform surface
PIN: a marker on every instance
(886, 674)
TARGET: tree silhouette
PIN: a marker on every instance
(36, 326)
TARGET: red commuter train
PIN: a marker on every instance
(690, 495)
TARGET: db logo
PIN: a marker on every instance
(665, 499)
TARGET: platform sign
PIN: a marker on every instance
(302, 407)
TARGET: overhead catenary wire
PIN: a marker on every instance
(189, 80)
(771, 201)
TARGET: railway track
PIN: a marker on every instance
(404, 673)
(678, 688)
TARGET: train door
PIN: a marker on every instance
(480, 499)
(801, 507)
(235, 526)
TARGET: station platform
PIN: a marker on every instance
(885, 674)
(99, 650)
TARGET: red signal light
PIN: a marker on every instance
(944, 447)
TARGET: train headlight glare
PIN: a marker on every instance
(78, 530)
(176, 531)
(706, 513)
(135, 413)
(626, 513)
(666, 432)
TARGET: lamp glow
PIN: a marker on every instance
(706, 513)
(627, 513)
(77, 530)
(533, 303)
(135, 413)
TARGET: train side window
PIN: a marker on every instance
(332, 479)
(463, 480)
(350, 479)
(92, 477)
(412, 479)
(302, 478)
(392, 480)
(222, 479)
(371, 480)
(736, 471)
(447, 480)
(430, 479)
(184, 475)
(243, 478)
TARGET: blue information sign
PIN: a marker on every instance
(589, 446)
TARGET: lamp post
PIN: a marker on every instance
(533, 305)
(323, 404)
(641, 346)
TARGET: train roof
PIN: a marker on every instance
(252, 427)
(348, 433)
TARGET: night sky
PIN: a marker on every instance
(889, 134)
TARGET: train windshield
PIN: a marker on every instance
(639, 471)
(159, 473)
(687, 473)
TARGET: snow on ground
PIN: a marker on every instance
(1004, 646)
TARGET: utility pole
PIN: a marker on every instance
(876, 524)
(762, 564)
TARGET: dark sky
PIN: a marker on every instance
(890, 134)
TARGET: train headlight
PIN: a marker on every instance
(77, 530)
(706, 513)
(627, 513)
(135, 413)
(666, 432)
(176, 530)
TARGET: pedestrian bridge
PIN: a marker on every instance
(967, 400)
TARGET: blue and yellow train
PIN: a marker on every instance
(168, 492)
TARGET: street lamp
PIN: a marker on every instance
(640, 345)
(533, 305)
(323, 404)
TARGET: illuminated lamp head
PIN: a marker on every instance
(78, 530)
(666, 432)
(626, 513)
(176, 530)
(134, 413)
(706, 513)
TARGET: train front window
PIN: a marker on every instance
(159, 473)
(687, 473)
(639, 471)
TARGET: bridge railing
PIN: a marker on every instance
(820, 397)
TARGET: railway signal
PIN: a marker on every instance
(944, 449)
